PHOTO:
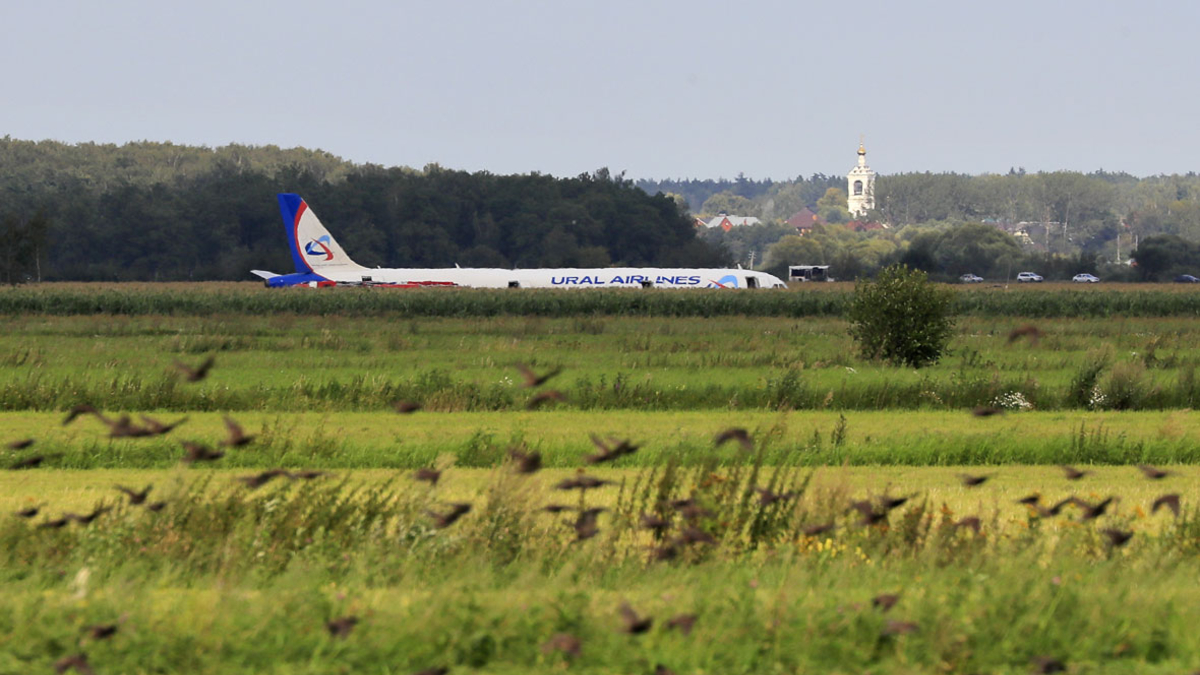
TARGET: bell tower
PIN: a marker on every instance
(860, 185)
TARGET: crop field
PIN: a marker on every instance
(868, 523)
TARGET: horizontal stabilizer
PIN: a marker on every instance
(263, 274)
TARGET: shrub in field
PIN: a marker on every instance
(1084, 392)
(901, 317)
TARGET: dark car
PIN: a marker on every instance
(1186, 279)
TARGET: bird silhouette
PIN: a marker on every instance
(157, 428)
(1092, 511)
(406, 407)
(586, 525)
(766, 497)
(21, 444)
(894, 627)
(341, 627)
(1117, 538)
(885, 601)
(89, 518)
(444, 520)
(429, 475)
(260, 479)
(1072, 473)
(682, 622)
(660, 669)
(820, 528)
(649, 521)
(135, 497)
(1043, 665)
(27, 463)
(608, 452)
(549, 395)
(1027, 331)
(156, 506)
(526, 462)
(557, 508)
(582, 482)
(29, 511)
(735, 434)
(1170, 501)
(237, 437)
(306, 474)
(102, 631)
(1153, 473)
(986, 411)
(971, 522)
(198, 373)
(973, 481)
(634, 624)
(871, 515)
(56, 523)
(77, 661)
(123, 427)
(83, 409)
(1056, 509)
(532, 379)
(1032, 500)
(563, 642)
(195, 452)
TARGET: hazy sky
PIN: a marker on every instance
(660, 89)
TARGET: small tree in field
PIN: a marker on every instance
(901, 317)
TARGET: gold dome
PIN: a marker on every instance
(861, 150)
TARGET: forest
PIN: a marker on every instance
(159, 211)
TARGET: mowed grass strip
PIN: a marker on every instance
(800, 438)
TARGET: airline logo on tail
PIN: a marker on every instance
(319, 247)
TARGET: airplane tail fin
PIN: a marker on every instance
(313, 248)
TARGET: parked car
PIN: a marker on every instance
(1027, 277)
(1085, 279)
(1186, 279)
(970, 279)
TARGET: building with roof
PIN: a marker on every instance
(860, 185)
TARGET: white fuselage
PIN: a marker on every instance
(609, 277)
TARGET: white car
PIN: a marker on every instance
(1027, 277)
(970, 279)
(1084, 279)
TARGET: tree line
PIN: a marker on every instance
(161, 212)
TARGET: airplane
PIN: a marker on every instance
(321, 262)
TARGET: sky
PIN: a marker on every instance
(657, 89)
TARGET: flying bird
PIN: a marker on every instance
(55, 524)
(532, 379)
(306, 474)
(20, 445)
(1072, 473)
(973, 481)
(156, 506)
(634, 624)
(135, 497)
(77, 661)
(195, 452)
(83, 409)
(1117, 538)
(198, 373)
(237, 437)
(586, 524)
(1027, 331)
(649, 521)
(27, 463)
(682, 622)
(1170, 501)
(1043, 665)
(89, 518)
(545, 396)
(766, 497)
(885, 601)
(406, 407)
(986, 411)
(735, 434)
(527, 462)
(971, 522)
(158, 428)
(341, 627)
(29, 511)
(445, 520)
(820, 528)
(429, 475)
(260, 479)
(1153, 473)
(563, 642)
(1092, 511)
(582, 483)
(608, 452)
(102, 631)
(1032, 500)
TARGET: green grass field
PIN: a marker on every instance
(232, 580)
